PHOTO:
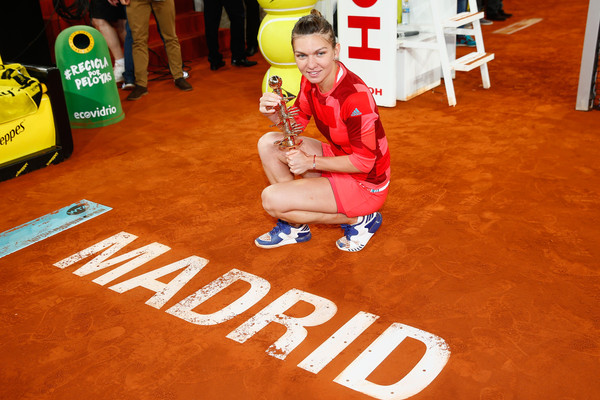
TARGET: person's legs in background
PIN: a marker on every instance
(252, 25)
(481, 7)
(129, 73)
(463, 40)
(138, 16)
(212, 20)
(164, 12)
(110, 34)
(494, 11)
(502, 12)
(236, 14)
(185, 74)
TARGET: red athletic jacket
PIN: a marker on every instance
(349, 119)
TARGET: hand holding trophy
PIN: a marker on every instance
(287, 123)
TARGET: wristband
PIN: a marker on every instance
(315, 161)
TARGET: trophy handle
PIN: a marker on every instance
(287, 124)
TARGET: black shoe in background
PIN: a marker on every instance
(504, 14)
(243, 62)
(182, 84)
(137, 92)
(495, 17)
(216, 65)
(251, 50)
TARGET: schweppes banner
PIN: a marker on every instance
(87, 76)
(26, 121)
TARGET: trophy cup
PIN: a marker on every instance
(287, 124)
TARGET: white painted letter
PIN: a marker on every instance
(337, 342)
(295, 334)
(431, 364)
(164, 291)
(118, 241)
(259, 288)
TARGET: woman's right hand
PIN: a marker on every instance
(269, 103)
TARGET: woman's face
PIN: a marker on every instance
(315, 58)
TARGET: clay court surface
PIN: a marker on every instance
(490, 241)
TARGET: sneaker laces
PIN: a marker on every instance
(349, 230)
(278, 228)
(346, 229)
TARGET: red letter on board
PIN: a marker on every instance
(364, 52)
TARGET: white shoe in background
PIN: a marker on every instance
(118, 70)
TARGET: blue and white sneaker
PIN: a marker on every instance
(465, 41)
(283, 234)
(358, 235)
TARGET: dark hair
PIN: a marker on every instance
(311, 24)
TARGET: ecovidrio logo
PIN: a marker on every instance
(98, 112)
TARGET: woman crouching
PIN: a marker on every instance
(344, 180)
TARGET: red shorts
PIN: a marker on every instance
(353, 198)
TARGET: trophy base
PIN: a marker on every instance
(288, 143)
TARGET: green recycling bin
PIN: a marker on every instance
(87, 76)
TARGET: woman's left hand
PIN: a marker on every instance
(298, 161)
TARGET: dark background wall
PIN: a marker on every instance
(23, 34)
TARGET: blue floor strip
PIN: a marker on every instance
(49, 225)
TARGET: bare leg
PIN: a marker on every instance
(304, 201)
(273, 159)
(111, 37)
(298, 201)
(310, 217)
(120, 28)
(309, 200)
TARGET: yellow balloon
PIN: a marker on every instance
(275, 38)
(290, 81)
(287, 6)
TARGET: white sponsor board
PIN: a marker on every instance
(367, 31)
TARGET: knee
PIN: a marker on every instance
(271, 200)
(267, 199)
(266, 144)
(266, 141)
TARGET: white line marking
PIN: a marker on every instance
(517, 26)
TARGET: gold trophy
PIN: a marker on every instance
(287, 123)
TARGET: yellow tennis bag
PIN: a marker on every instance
(26, 120)
(20, 94)
(34, 125)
